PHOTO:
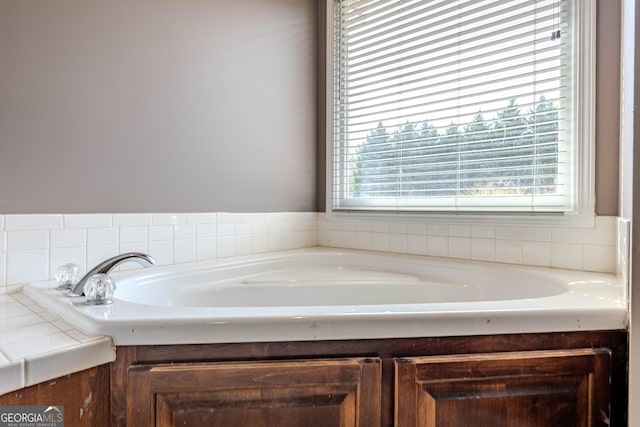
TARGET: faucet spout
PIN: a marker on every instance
(109, 264)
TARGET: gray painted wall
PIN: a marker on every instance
(608, 106)
(199, 105)
(157, 105)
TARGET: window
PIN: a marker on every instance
(462, 106)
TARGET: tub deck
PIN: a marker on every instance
(328, 294)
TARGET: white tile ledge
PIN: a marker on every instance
(36, 346)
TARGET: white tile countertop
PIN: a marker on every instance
(37, 346)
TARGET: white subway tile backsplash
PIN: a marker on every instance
(336, 225)
(272, 227)
(536, 234)
(102, 236)
(274, 242)
(599, 258)
(297, 239)
(88, 220)
(274, 216)
(162, 251)
(509, 233)
(438, 246)
(536, 253)
(417, 244)
(184, 251)
(508, 251)
(380, 242)
(398, 243)
(460, 247)
(207, 230)
(287, 226)
(27, 266)
(259, 243)
(606, 222)
(226, 230)
(350, 239)
(567, 235)
(459, 230)
(131, 220)
(33, 222)
(229, 218)
(380, 227)
(253, 217)
(19, 240)
(3, 271)
(99, 253)
(259, 227)
(133, 234)
(133, 247)
(398, 227)
(483, 231)
(201, 218)
(160, 232)
(418, 229)
(366, 226)
(365, 240)
(349, 225)
(33, 246)
(206, 248)
(483, 249)
(68, 238)
(599, 236)
(243, 245)
(244, 229)
(169, 219)
(329, 238)
(438, 230)
(181, 232)
(567, 255)
(226, 246)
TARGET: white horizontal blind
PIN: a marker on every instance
(452, 105)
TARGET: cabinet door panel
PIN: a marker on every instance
(538, 388)
(311, 393)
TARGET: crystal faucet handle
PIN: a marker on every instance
(99, 289)
(68, 275)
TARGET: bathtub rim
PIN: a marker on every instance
(602, 308)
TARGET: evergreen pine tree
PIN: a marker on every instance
(376, 165)
(543, 120)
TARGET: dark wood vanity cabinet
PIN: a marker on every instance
(536, 388)
(84, 395)
(313, 393)
(556, 379)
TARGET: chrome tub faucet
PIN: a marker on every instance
(109, 264)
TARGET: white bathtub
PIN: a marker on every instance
(318, 293)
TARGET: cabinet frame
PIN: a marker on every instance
(128, 357)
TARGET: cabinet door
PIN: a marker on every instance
(523, 389)
(323, 393)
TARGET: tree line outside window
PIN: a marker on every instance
(513, 153)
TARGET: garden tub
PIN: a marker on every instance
(329, 294)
